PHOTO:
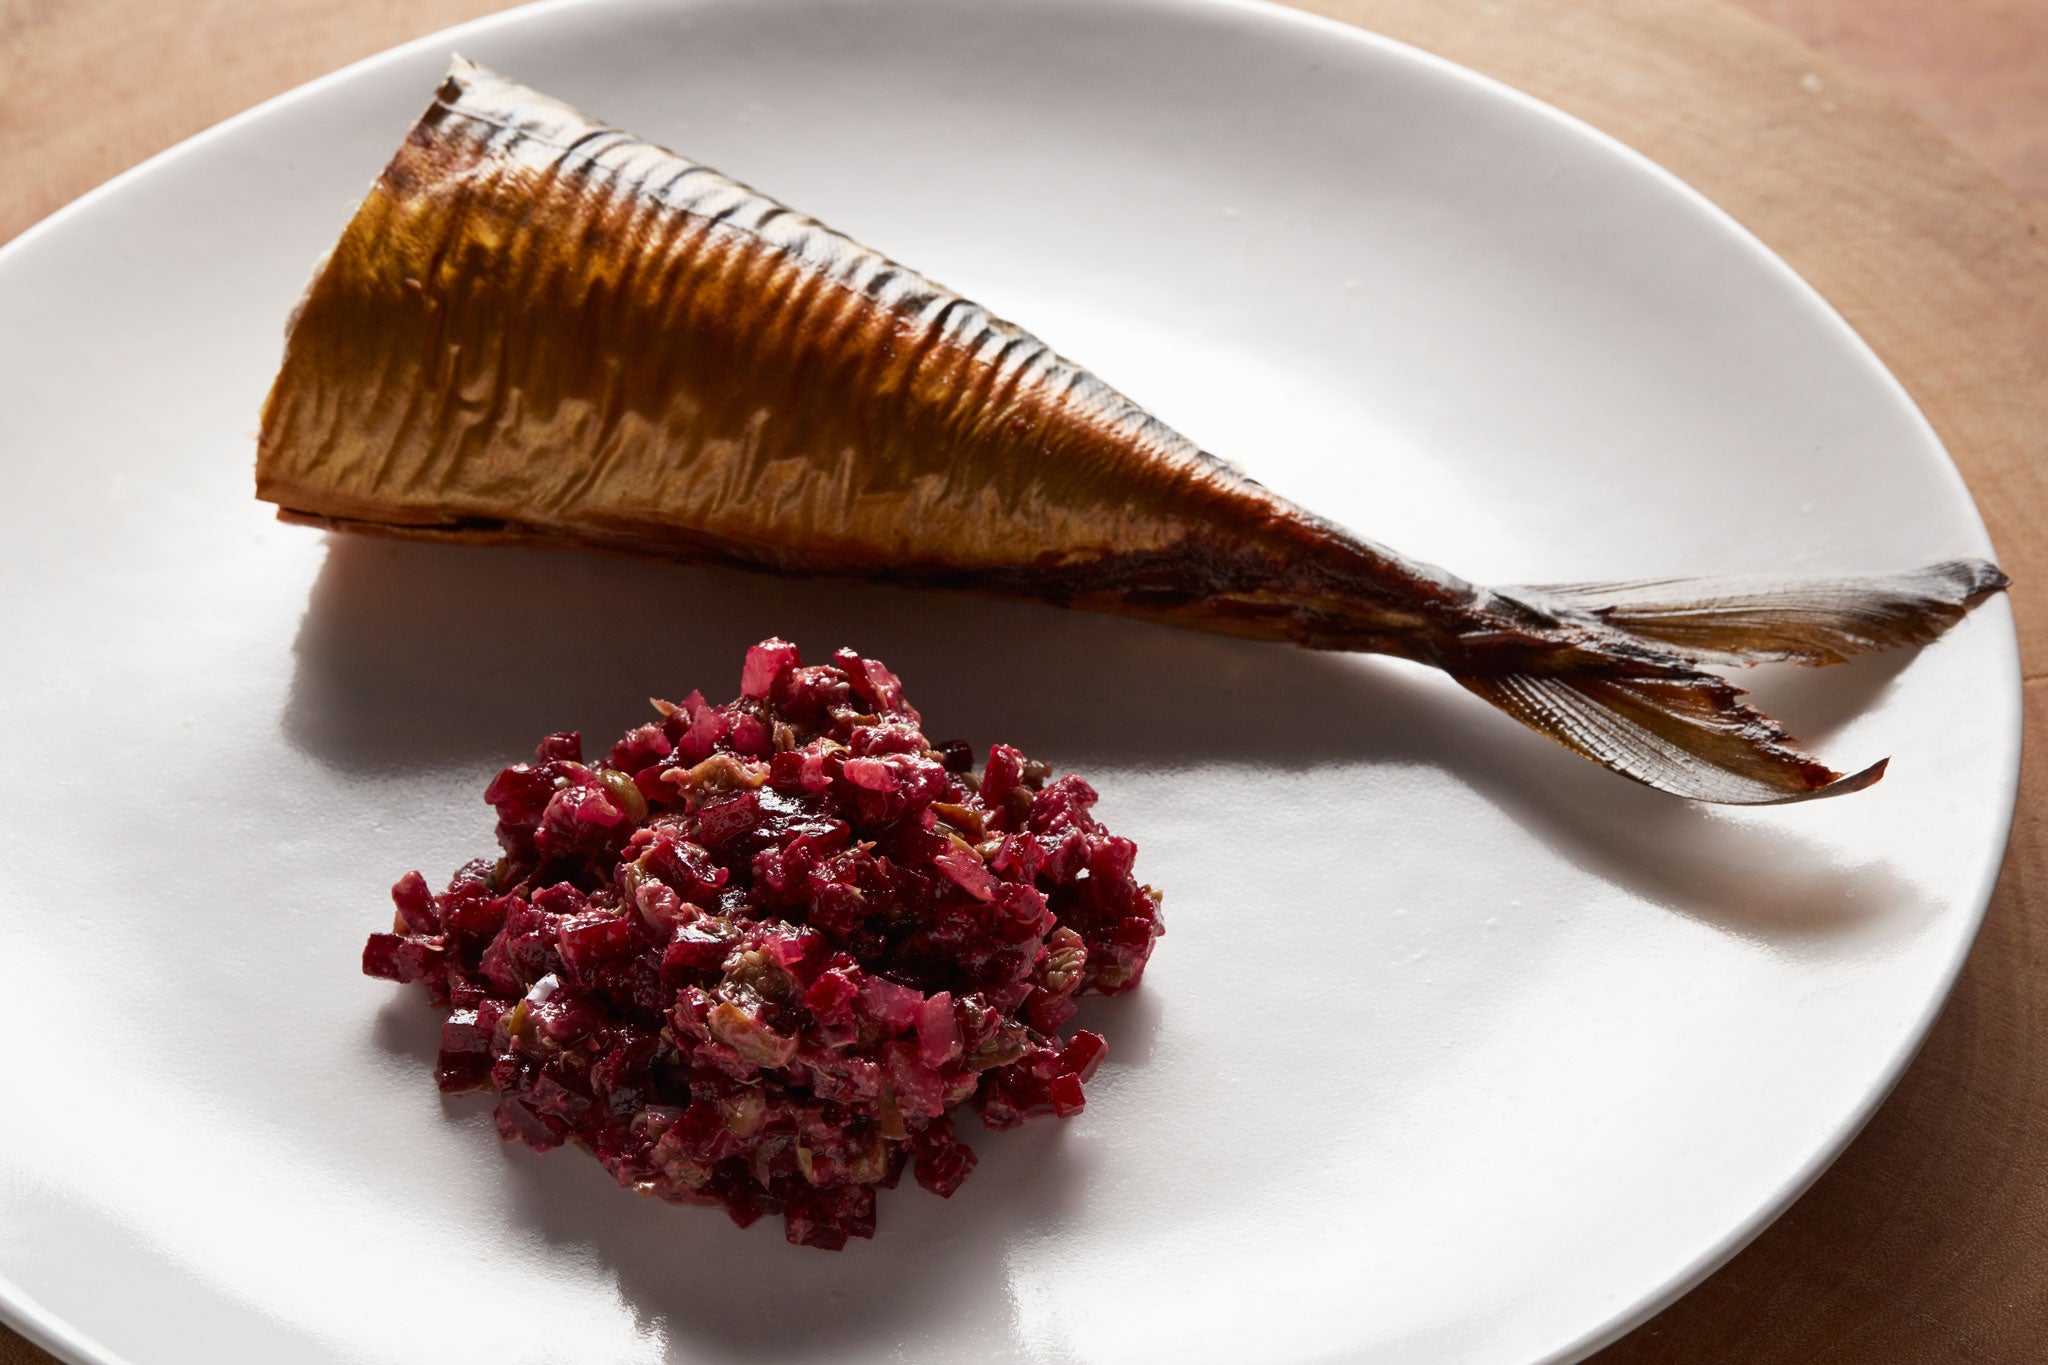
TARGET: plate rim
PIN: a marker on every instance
(21, 1312)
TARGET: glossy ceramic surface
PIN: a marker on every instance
(1457, 1048)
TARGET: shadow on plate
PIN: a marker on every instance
(415, 656)
(710, 1290)
(700, 1284)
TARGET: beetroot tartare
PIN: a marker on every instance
(758, 954)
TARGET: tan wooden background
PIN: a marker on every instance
(1928, 1240)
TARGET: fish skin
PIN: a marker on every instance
(539, 328)
(755, 389)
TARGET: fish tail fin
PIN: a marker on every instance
(1738, 621)
(1613, 671)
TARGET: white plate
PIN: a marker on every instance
(1457, 1049)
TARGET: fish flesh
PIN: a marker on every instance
(539, 328)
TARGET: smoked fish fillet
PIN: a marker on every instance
(538, 328)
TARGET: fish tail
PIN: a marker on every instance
(1614, 671)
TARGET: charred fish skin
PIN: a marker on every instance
(540, 328)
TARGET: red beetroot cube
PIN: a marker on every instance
(695, 947)
(1084, 1054)
(565, 747)
(888, 1004)
(942, 1161)
(831, 995)
(416, 905)
(766, 663)
(593, 941)
(402, 958)
(938, 1035)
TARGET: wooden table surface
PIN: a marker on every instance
(1928, 1240)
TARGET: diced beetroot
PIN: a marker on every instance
(818, 769)
(1065, 853)
(1047, 1011)
(686, 867)
(517, 1121)
(1004, 772)
(826, 1218)
(759, 955)
(558, 899)
(745, 1203)
(888, 735)
(752, 737)
(624, 1066)
(456, 1073)
(766, 663)
(476, 919)
(1111, 859)
(1022, 911)
(721, 824)
(965, 869)
(942, 1160)
(465, 1059)
(556, 1015)
(550, 1097)
(461, 1034)
(402, 958)
(566, 747)
(871, 681)
(707, 727)
(800, 952)
(781, 875)
(938, 1036)
(1084, 1054)
(925, 780)
(495, 967)
(919, 1089)
(641, 748)
(695, 947)
(576, 806)
(592, 942)
(1063, 804)
(890, 1005)
(1018, 858)
(836, 907)
(872, 774)
(808, 696)
(520, 793)
(831, 996)
(661, 909)
(416, 905)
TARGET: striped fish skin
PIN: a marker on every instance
(555, 331)
(539, 328)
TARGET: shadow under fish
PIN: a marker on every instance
(539, 329)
